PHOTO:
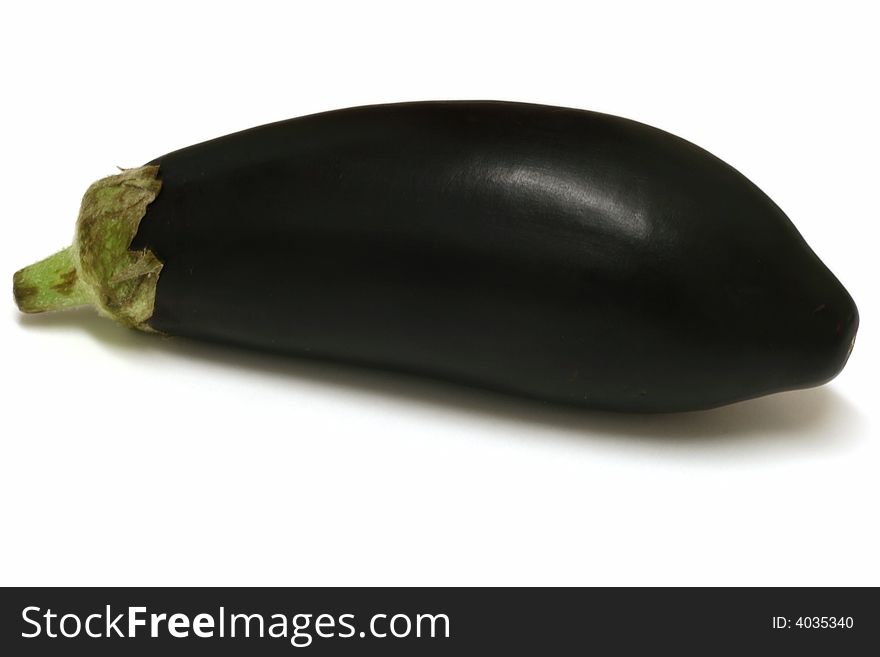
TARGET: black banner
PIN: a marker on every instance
(420, 621)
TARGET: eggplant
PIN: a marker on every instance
(554, 253)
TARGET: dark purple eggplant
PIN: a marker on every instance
(556, 253)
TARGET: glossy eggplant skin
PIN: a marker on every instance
(561, 254)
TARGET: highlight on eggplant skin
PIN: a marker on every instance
(560, 254)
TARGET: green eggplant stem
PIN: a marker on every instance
(99, 268)
(51, 284)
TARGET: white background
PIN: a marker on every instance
(131, 459)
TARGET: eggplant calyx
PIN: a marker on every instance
(99, 268)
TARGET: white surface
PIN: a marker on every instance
(248, 469)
